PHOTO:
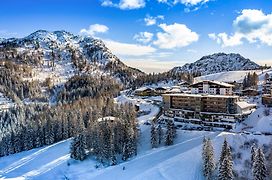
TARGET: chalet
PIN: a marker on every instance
(184, 86)
(211, 87)
(145, 91)
(174, 90)
(245, 108)
(249, 92)
(160, 90)
(107, 118)
(204, 109)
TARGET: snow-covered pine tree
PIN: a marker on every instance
(225, 152)
(253, 154)
(112, 150)
(154, 137)
(160, 133)
(169, 136)
(225, 163)
(208, 159)
(78, 147)
(259, 167)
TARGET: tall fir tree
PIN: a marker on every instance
(259, 167)
(225, 163)
(78, 147)
(253, 154)
(154, 137)
(208, 159)
(170, 133)
(160, 133)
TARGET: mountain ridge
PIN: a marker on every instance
(63, 48)
(217, 62)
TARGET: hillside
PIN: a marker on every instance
(215, 63)
(61, 54)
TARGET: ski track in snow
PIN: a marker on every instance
(47, 167)
(33, 159)
(146, 165)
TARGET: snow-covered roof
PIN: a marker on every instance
(201, 95)
(222, 83)
(107, 118)
(214, 82)
(143, 89)
(249, 89)
(244, 105)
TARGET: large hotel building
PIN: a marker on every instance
(209, 104)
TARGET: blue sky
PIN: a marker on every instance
(153, 35)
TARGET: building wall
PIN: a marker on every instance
(215, 104)
(208, 88)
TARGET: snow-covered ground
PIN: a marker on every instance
(231, 76)
(179, 161)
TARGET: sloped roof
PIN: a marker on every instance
(243, 104)
(214, 82)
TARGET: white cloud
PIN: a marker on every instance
(251, 25)
(184, 2)
(143, 37)
(175, 36)
(162, 1)
(94, 29)
(149, 20)
(191, 2)
(125, 4)
(126, 49)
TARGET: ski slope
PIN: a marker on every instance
(158, 163)
(231, 76)
(34, 164)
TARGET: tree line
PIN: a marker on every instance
(110, 139)
(223, 170)
(27, 127)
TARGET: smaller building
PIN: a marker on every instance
(245, 108)
(174, 90)
(211, 87)
(184, 86)
(107, 118)
(267, 100)
(250, 92)
(145, 91)
(160, 90)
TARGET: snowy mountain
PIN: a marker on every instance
(219, 62)
(66, 54)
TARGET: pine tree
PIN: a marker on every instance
(78, 147)
(169, 136)
(259, 167)
(253, 154)
(154, 136)
(112, 150)
(225, 152)
(225, 163)
(160, 133)
(208, 159)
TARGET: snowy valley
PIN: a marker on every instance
(70, 109)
